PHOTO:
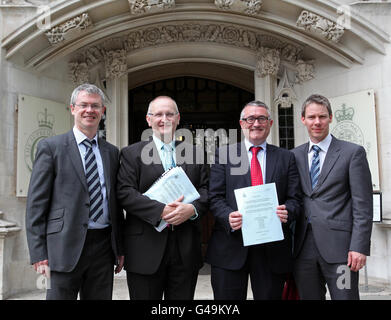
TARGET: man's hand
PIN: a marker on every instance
(356, 260)
(42, 267)
(168, 209)
(282, 213)
(235, 220)
(120, 264)
(181, 213)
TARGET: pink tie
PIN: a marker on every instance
(256, 172)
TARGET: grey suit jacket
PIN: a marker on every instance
(340, 206)
(57, 210)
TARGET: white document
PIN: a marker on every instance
(258, 205)
(170, 186)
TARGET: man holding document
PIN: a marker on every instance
(162, 241)
(268, 208)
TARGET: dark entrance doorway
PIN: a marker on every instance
(203, 104)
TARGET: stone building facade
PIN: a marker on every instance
(280, 51)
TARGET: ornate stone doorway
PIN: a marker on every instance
(203, 104)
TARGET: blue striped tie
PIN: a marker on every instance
(93, 182)
(315, 166)
(168, 154)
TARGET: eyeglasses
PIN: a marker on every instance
(94, 106)
(169, 115)
(261, 119)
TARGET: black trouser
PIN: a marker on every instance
(93, 274)
(232, 284)
(172, 279)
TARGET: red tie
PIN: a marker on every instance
(256, 172)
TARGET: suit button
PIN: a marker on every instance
(87, 205)
(85, 225)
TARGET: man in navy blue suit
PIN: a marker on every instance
(266, 264)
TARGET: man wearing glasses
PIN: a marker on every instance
(266, 264)
(72, 218)
(166, 262)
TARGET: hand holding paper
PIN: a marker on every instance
(282, 213)
(175, 189)
(235, 220)
(260, 223)
(180, 214)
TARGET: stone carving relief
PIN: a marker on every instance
(250, 7)
(285, 95)
(305, 71)
(144, 6)
(268, 62)
(328, 29)
(78, 73)
(111, 53)
(68, 29)
(115, 63)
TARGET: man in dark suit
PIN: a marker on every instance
(259, 162)
(72, 218)
(334, 233)
(167, 262)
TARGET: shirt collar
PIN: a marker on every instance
(323, 145)
(80, 136)
(159, 143)
(248, 145)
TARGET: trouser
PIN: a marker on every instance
(173, 279)
(93, 275)
(232, 284)
(312, 273)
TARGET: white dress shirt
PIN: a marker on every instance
(261, 155)
(324, 147)
(104, 219)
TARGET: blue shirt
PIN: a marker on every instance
(160, 145)
(104, 219)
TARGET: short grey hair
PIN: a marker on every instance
(256, 103)
(162, 97)
(91, 89)
(318, 99)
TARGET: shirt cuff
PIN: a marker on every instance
(195, 216)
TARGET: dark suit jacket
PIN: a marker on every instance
(144, 246)
(225, 249)
(340, 206)
(58, 201)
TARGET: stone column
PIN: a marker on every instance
(117, 122)
(265, 80)
(7, 232)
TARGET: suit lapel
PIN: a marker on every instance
(104, 153)
(329, 162)
(271, 162)
(303, 167)
(181, 156)
(156, 166)
(243, 180)
(74, 154)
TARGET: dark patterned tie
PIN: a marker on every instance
(93, 182)
(315, 166)
(256, 171)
